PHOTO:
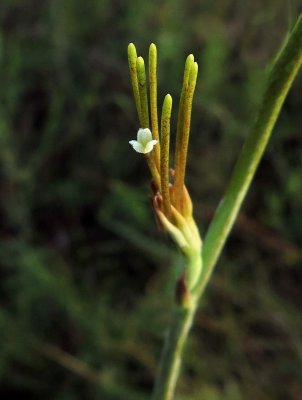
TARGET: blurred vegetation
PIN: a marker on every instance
(86, 279)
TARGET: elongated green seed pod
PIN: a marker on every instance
(183, 149)
(142, 87)
(153, 100)
(179, 133)
(132, 57)
(165, 148)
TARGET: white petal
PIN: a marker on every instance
(149, 146)
(144, 136)
(137, 146)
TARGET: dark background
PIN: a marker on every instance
(86, 280)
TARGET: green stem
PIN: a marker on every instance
(170, 363)
(169, 367)
(280, 80)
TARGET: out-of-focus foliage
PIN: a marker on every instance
(86, 279)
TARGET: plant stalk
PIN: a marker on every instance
(170, 363)
(280, 79)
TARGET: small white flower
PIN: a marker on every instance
(144, 143)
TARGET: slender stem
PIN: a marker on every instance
(170, 363)
(153, 100)
(165, 147)
(280, 80)
(171, 358)
(154, 171)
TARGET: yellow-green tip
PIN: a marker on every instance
(152, 48)
(190, 59)
(188, 65)
(168, 102)
(193, 73)
(132, 51)
(140, 66)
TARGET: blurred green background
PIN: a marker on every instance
(86, 280)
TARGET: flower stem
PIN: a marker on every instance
(279, 82)
(154, 171)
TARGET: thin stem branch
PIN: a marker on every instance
(170, 363)
(154, 171)
(280, 80)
